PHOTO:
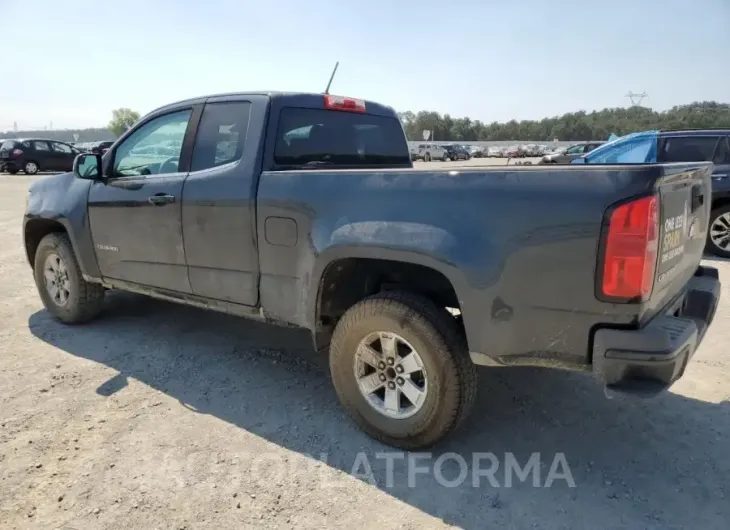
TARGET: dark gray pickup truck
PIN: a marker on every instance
(304, 210)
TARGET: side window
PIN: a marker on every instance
(722, 155)
(221, 134)
(154, 148)
(688, 148)
(26, 145)
(41, 146)
(628, 151)
(61, 148)
(575, 150)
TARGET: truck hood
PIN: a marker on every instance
(50, 183)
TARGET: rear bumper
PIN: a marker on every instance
(649, 360)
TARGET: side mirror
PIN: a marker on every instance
(87, 166)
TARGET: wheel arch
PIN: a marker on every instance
(347, 274)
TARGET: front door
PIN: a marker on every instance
(135, 214)
(62, 156)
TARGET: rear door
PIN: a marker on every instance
(218, 210)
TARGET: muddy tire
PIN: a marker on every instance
(62, 288)
(420, 399)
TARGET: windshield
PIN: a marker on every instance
(635, 148)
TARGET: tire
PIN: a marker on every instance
(83, 300)
(710, 246)
(445, 158)
(427, 157)
(450, 376)
(13, 171)
(30, 168)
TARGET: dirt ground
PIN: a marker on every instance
(162, 416)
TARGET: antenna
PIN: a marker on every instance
(327, 90)
(636, 99)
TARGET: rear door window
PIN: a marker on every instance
(688, 149)
(221, 134)
(722, 155)
(315, 138)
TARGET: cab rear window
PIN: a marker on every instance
(310, 138)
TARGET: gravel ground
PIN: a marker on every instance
(162, 416)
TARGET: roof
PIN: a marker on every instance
(273, 94)
(695, 132)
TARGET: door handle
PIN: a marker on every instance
(698, 197)
(161, 198)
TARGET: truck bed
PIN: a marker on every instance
(525, 280)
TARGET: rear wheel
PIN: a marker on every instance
(718, 236)
(62, 288)
(13, 171)
(427, 157)
(445, 158)
(30, 168)
(401, 369)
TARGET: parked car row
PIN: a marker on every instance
(444, 152)
(436, 151)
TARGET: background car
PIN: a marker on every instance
(456, 152)
(705, 145)
(98, 148)
(572, 152)
(477, 151)
(429, 152)
(36, 154)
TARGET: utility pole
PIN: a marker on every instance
(635, 98)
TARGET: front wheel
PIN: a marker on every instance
(401, 369)
(718, 236)
(62, 288)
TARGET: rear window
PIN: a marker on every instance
(8, 144)
(688, 149)
(314, 137)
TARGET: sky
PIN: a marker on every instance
(492, 60)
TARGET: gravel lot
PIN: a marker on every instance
(162, 416)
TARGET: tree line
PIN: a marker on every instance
(596, 125)
(122, 119)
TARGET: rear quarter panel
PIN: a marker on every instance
(519, 245)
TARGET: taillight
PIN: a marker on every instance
(17, 152)
(629, 262)
(342, 103)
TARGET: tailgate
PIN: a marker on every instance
(685, 200)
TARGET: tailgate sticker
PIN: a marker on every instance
(673, 240)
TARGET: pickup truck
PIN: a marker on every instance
(304, 210)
